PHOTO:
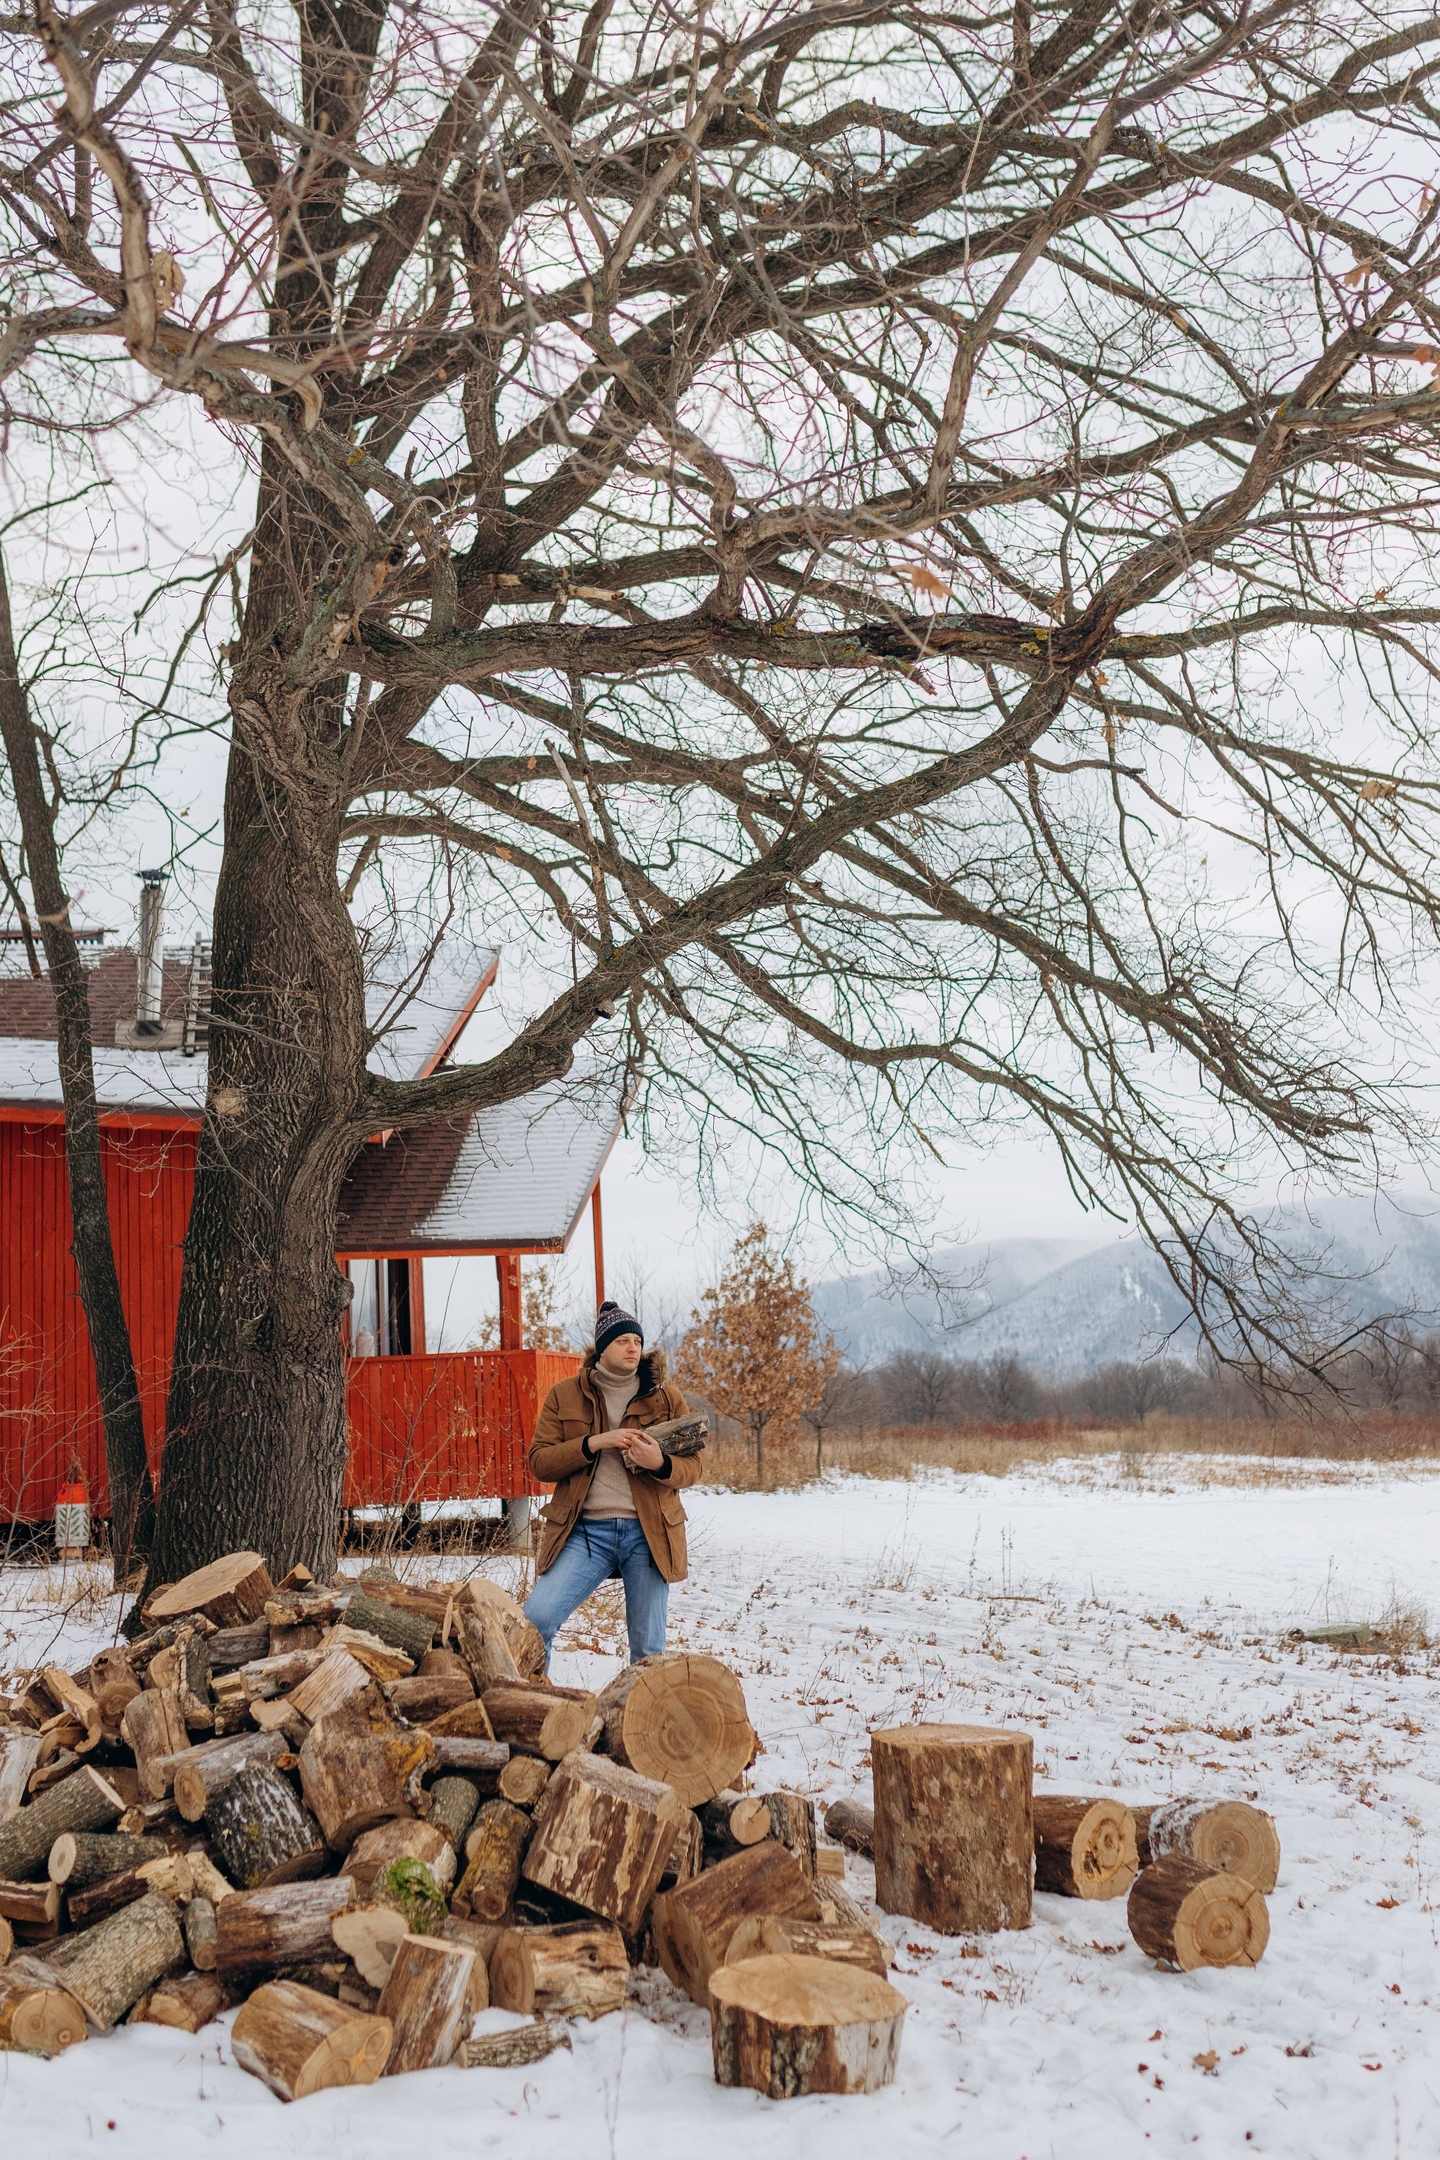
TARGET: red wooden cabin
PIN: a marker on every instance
(424, 1426)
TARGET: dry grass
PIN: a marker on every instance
(1261, 1451)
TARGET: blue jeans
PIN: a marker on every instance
(598, 1547)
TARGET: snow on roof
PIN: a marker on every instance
(514, 1178)
(422, 1002)
(148, 1080)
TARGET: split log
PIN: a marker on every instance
(336, 1681)
(31, 1909)
(526, 1645)
(576, 1970)
(354, 1777)
(281, 1717)
(427, 2000)
(457, 1755)
(481, 1637)
(230, 1648)
(453, 1801)
(113, 1700)
(290, 1636)
(369, 1936)
(694, 1923)
(420, 1602)
(184, 1669)
(449, 1664)
(1228, 1834)
(384, 1661)
(496, 1847)
(266, 1677)
(850, 1822)
(228, 1592)
(768, 1935)
(261, 1833)
(146, 1648)
(954, 1838)
(602, 1837)
(523, 1779)
(110, 1966)
(733, 1821)
(680, 1720)
(467, 1721)
(1084, 1847)
(1185, 1915)
(38, 2015)
(481, 1937)
(429, 1696)
(7, 1940)
(259, 1931)
(550, 1722)
(792, 1824)
(154, 1728)
(79, 1702)
(404, 1838)
(201, 1772)
(829, 1864)
(787, 2026)
(19, 1753)
(513, 2050)
(198, 1926)
(79, 1858)
(411, 1632)
(686, 1856)
(300, 2042)
(186, 2002)
(85, 1801)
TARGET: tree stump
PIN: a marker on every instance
(769, 1935)
(787, 2026)
(200, 1772)
(110, 1967)
(732, 1821)
(82, 1801)
(197, 1925)
(228, 1592)
(154, 1729)
(680, 1720)
(954, 1838)
(544, 1721)
(37, 2014)
(404, 1837)
(79, 1858)
(408, 1631)
(1084, 1847)
(602, 1837)
(578, 1969)
(453, 1801)
(1184, 1915)
(1228, 1834)
(354, 1777)
(495, 1847)
(694, 1923)
(426, 1997)
(186, 2002)
(299, 2042)
(523, 1779)
(852, 1823)
(260, 1832)
(336, 1681)
(259, 1931)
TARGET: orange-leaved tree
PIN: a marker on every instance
(755, 1350)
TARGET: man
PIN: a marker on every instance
(616, 1506)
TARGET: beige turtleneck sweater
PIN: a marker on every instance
(610, 1492)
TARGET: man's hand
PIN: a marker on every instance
(640, 1453)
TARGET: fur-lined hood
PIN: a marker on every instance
(651, 1373)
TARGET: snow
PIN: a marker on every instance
(1135, 1631)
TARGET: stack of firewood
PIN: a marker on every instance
(361, 1812)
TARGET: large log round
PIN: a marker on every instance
(37, 2015)
(300, 2042)
(682, 1721)
(954, 1838)
(229, 1591)
(1228, 1834)
(1185, 1915)
(787, 2026)
(1084, 1847)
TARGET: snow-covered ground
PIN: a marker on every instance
(1141, 1634)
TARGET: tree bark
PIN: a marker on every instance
(186, 2002)
(496, 1846)
(84, 1801)
(578, 1969)
(411, 1632)
(32, 1907)
(354, 1777)
(550, 1722)
(792, 1824)
(200, 1772)
(260, 1832)
(259, 1931)
(787, 2026)
(1228, 1834)
(481, 1635)
(522, 1637)
(482, 1761)
(299, 2042)
(1084, 1847)
(1185, 1915)
(197, 1925)
(681, 1720)
(695, 1922)
(602, 1837)
(453, 1802)
(428, 1695)
(512, 2050)
(127, 1465)
(954, 1839)
(109, 1967)
(81, 1857)
(427, 1999)
(852, 1823)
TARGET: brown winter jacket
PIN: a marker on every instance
(574, 1412)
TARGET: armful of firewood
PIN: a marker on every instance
(680, 1435)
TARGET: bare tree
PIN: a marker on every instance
(822, 517)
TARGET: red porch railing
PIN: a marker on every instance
(450, 1427)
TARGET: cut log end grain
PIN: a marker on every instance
(682, 1721)
(301, 2042)
(229, 1592)
(426, 1997)
(578, 1969)
(184, 2003)
(523, 1779)
(767, 1935)
(954, 1836)
(852, 1823)
(1228, 1834)
(369, 1936)
(1185, 1915)
(787, 2026)
(733, 1820)
(1084, 1847)
(37, 2015)
(695, 1923)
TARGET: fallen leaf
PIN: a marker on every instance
(1208, 2062)
(1157, 2034)
(1387, 1904)
(1296, 2053)
(1372, 2066)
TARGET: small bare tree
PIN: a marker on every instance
(754, 1349)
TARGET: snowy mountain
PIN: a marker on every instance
(1064, 1307)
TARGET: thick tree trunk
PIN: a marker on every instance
(954, 1835)
(132, 1499)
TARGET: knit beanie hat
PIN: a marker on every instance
(613, 1320)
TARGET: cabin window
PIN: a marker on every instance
(382, 1310)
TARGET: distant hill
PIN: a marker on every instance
(1064, 1306)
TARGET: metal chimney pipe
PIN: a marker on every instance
(150, 969)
